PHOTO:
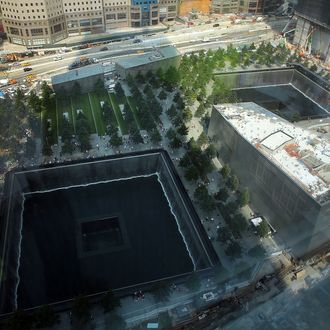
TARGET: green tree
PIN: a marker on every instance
(83, 132)
(232, 207)
(263, 228)
(46, 317)
(233, 182)
(136, 136)
(222, 195)
(171, 112)
(162, 95)
(109, 302)
(202, 139)
(46, 95)
(67, 147)
(47, 149)
(76, 89)
(200, 111)
(239, 223)
(204, 199)
(234, 250)
(130, 80)
(257, 252)
(30, 147)
(170, 134)
(34, 102)
(313, 68)
(172, 76)
(224, 235)
(160, 73)
(99, 87)
(295, 117)
(155, 136)
(244, 197)
(191, 173)
(210, 151)
(177, 97)
(176, 143)
(186, 114)
(183, 130)
(225, 171)
(139, 78)
(115, 140)
(119, 90)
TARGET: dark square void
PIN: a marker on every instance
(99, 235)
(92, 238)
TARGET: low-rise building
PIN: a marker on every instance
(285, 167)
(86, 77)
(162, 57)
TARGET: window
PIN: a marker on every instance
(36, 32)
(121, 15)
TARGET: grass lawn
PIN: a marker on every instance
(82, 102)
(63, 106)
(119, 116)
(132, 105)
(97, 110)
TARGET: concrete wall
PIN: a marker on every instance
(121, 168)
(301, 223)
(154, 66)
(276, 77)
(86, 84)
(116, 167)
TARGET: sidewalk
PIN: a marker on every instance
(110, 34)
(8, 47)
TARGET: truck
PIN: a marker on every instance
(83, 61)
(4, 82)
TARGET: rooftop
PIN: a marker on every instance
(301, 153)
(80, 73)
(157, 55)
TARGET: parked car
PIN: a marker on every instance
(209, 296)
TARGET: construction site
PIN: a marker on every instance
(312, 32)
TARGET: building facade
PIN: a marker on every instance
(313, 27)
(254, 7)
(163, 57)
(34, 23)
(281, 165)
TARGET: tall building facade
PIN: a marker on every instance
(33, 22)
(254, 7)
(40, 22)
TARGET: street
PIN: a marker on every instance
(186, 40)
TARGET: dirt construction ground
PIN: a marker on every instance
(201, 5)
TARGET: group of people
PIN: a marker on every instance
(138, 295)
